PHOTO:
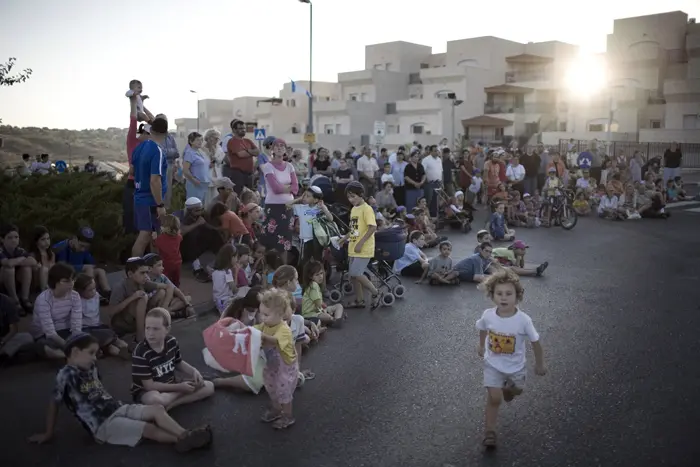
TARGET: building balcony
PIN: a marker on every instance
(690, 136)
(455, 72)
(344, 107)
(526, 76)
(422, 105)
(356, 76)
(490, 109)
(672, 87)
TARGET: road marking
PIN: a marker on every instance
(680, 204)
(693, 210)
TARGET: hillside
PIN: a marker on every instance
(105, 145)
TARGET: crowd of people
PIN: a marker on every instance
(257, 211)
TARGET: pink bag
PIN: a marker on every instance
(234, 346)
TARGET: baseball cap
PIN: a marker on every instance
(518, 245)
(86, 234)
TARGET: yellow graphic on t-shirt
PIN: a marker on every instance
(354, 228)
(501, 343)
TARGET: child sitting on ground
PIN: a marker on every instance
(503, 331)
(179, 304)
(414, 262)
(440, 270)
(581, 204)
(108, 420)
(168, 247)
(312, 306)
(227, 277)
(154, 362)
(282, 369)
(497, 225)
(513, 257)
(481, 237)
(303, 331)
(286, 278)
(682, 194)
(90, 299)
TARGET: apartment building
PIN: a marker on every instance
(495, 90)
(652, 92)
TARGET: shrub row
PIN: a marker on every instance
(65, 202)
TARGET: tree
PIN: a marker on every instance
(6, 79)
(9, 80)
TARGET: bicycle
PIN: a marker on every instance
(562, 211)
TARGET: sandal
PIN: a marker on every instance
(194, 439)
(377, 300)
(270, 416)
(489, 439)
(283, 422)
(356, 304)
(308, 375)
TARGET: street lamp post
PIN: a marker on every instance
(455, 103)
(195, 93)
(310, 123)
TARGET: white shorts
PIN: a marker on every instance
(124, 427)
(497, 379)
(357, 266)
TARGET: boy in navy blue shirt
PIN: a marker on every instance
(76, 252)
(150, 167)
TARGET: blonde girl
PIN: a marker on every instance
(312, 307)
(281, 372)
(287, 278)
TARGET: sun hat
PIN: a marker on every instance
(518, 245)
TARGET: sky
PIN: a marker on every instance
(83, 53)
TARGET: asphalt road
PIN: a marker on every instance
(619, 318)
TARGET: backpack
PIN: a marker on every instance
(324, 230)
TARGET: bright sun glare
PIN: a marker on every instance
(586, 75)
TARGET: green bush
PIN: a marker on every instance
(65, 202)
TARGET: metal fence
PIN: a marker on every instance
(691, 151)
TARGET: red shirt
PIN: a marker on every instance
(132, 141)
(169, 248)
(236, 145)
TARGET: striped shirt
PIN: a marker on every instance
(53, 314)
(147, 364)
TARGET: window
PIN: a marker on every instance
(391, 130)
(423, 66)
(655, 124)
(292, 103)
(519, 101)
(562, 126)
(328, 129)
(499, 132)
(295, 129)
(202, 115)
(691, 122)
(391, 108)
(466, 134)
(182, 134)
(417, 129)
(353, 97)
(596, 127)
(414, 78)
(337, 128)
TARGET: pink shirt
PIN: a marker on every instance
(277, 177)
(53, 314)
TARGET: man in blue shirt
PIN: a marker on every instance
(476, 267)
(150, 181)
(76, 252)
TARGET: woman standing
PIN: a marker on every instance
(212, 149)
(414, 177)
(491, 174)
(196, 169)
(282, 185)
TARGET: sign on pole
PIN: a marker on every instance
(61, 166)
(259, 134)
(310, 138)
(379, 128)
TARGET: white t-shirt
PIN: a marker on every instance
(582, 183)
(41, 167)
(388, 178)
(505, 342)
(305, 213)
(475, 186)
(433, 168)
(297, 326)
(221, 291)
(515, 173)
(91, 311)
(608, 203)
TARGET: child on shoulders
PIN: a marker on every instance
(503, 331)
(109, 421)
(154, 362)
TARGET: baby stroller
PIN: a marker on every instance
(447, 214)
(388, 247)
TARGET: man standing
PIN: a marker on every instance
(531, 162)
(516, 174)
(672, 162)
(150, 169)
(171, 155)
(241, 153)
(432, 164)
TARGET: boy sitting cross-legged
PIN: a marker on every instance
(154, 362)
(109, 421)
(177, 303)
(129, 300)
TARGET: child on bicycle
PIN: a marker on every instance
(553, 188)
